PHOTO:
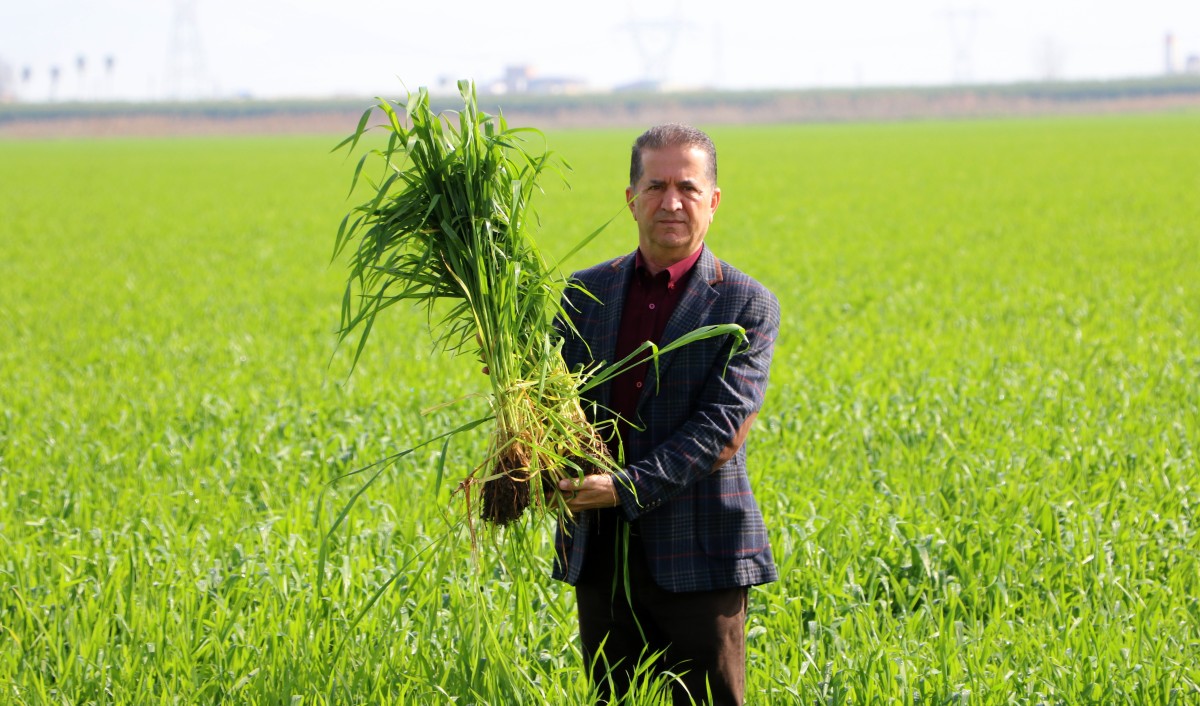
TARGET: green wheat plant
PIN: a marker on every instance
(449, 227)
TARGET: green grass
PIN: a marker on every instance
(978, 456)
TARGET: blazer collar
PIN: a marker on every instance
(708, 267)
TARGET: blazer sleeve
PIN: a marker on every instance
(727, 405)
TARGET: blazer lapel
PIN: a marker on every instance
(690, 314)
(611, 293)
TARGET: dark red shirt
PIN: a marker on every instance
(649, 303)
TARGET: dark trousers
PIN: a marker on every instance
(701, 634)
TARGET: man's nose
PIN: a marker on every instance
(672, 200)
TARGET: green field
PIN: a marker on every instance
(978, 457)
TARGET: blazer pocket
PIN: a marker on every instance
(728, 519)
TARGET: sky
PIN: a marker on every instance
(169, 49)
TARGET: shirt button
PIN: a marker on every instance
(651, 306)
(638, 385)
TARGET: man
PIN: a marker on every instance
(661, 554)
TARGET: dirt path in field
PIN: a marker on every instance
(797, 107)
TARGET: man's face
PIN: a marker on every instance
(675, 203)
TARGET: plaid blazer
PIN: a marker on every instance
(684, 483)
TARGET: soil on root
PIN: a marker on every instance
(506, 496)
(594, 460)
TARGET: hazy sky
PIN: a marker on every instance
(273, 48)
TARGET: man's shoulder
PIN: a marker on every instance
(600, 271)
(603, 281)
(733, 280)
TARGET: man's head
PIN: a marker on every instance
(672, 135)
(673, 192)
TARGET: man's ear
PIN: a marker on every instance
(716, 199)
(629, 199)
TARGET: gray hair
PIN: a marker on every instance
(672, 135)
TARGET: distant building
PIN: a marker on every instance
(517, 78)
(1169, 65)
(558, 86)
(1193, 65)
(521, 78)
(647, 86)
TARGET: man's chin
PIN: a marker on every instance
(672, 240)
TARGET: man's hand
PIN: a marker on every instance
(589, 492)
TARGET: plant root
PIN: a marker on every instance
(506, 496)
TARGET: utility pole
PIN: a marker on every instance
(655, 41)
(80, 71)
(110, 63)
(963, 22)
(185, 57)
